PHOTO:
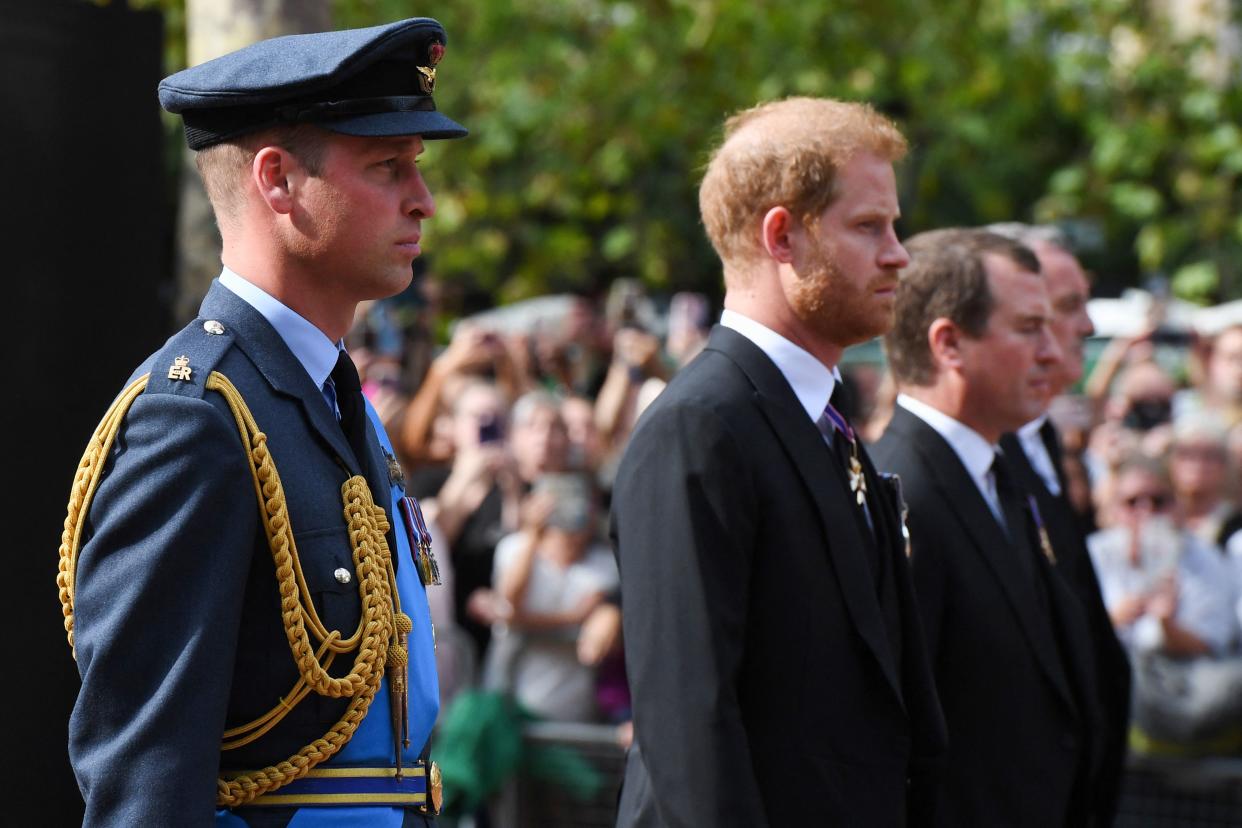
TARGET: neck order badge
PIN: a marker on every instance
(858, 482)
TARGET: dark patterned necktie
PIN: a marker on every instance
(348, 392)
(840, 435)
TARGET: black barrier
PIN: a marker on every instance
(1200, 792)
(1158, 792)
(86, 225)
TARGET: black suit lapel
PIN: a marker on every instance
(834, 502)
(1069, 609)
(989, 541)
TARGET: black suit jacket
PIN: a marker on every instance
(1007, 644)
(764, 686)
(1112, 666)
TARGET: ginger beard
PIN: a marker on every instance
(837, 307)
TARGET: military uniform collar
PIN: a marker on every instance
(310, 346)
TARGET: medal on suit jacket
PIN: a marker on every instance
(858, 482)
(893, 482)
(1044, 543)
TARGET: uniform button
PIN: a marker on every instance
(342, 576)
(213, 327)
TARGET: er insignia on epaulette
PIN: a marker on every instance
(180, 369)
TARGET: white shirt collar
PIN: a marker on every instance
(311, 346)
(812, 381)
(975, 452)
(1032, 428)
(1033, 447)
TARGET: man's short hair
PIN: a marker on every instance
(946, 278)
(224, 166)
(785, 153)
(1032, 234)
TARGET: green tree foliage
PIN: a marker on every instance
(1158, 98)
(591, 121)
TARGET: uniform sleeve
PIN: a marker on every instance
(684, 519)
(159, 589)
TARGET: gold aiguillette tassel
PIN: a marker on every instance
(398, 678)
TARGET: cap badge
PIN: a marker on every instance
(435, 53)
(427, 79)
(180, 369)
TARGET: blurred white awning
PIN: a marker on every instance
(1135, 310)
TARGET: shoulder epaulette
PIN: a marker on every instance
(188, 358)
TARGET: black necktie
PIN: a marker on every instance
(1015, 515)
(1052, 443)
(349, 403)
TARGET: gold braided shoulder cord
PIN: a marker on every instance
(378, 639)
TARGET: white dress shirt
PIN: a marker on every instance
(812, 381)
(1032, 443)
(975, 452)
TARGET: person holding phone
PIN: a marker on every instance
(549, 578)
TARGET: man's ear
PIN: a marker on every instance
(944, 340)
(776, 234)
(271, 171)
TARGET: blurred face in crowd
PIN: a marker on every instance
(1198, 467)
(1139, 495)
(1009, 370)
(1233, 447)
(539, 442)
(582, 435)
(1068, 293)
(478, 417)
(1225, 366)
(844, 289)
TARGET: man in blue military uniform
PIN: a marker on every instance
(243, 578)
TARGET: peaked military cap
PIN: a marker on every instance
(370, 82)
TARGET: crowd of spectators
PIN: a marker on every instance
(511, 432)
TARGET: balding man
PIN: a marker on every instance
(1034, 450)
(774, 651)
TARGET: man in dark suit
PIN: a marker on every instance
(775, 656)
(1034, 451)
(244, 579)
(973, 356)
